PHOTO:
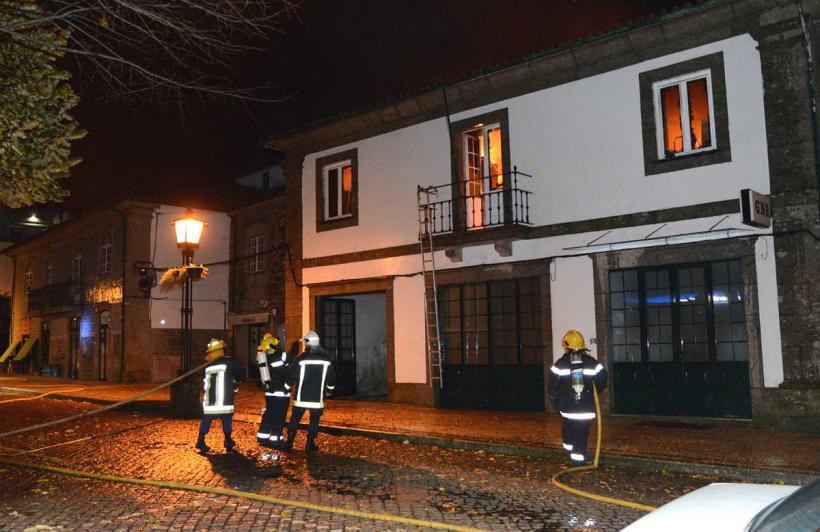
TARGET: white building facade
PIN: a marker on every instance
(595, 188)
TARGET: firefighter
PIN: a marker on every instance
(221, 378)
(570, 388)
(273, 366)
(312, 375)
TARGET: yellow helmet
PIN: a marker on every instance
(215, 349)
(573, 341)
(268, 342)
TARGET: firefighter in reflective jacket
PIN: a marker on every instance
(570, 388)
(273, 366)
(221, 378)
(312, 374)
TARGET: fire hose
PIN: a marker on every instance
(191, 487)
(601, 498)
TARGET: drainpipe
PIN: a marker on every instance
(121, 371)
(812, 88)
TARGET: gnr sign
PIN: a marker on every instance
(755, 208)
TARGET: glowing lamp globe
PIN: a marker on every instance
(189, 230)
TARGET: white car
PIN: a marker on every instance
(738, 507)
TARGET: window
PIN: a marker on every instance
(48, 272)
(77, 271)
(684, 115)
(482, 169)
(337, 191)
(28, 280)
(683, 108)
(495, 322)
(687, 313)
(105, 257)
(257, 244)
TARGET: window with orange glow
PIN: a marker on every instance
(483, 159)
(338, 191)
(684, 115)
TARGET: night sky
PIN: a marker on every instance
(335, 56)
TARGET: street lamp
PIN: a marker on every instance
(185, 393)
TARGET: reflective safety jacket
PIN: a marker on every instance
(219, 384)
(274, 367)
(312, 374)
(564, 397)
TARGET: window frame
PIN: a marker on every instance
(328, 162)
(106, 257)
(340, 166)
(686, 126)
(655, 160)
(48, 272)
(256, 247)
(77, 272)
(28, 280)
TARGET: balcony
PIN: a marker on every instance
(473, 205)
(67, 294)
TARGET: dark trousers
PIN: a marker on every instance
(575, 434)
(296, 416)
(273, 419)
(205, 425)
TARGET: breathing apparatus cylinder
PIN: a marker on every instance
(577, 375)
(262, 362)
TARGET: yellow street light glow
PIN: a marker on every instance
(189, 230)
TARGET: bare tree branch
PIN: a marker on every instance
(157, 48)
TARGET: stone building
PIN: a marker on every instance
(78, 309)
(596, 187)
(258, 272)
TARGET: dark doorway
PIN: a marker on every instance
(74, 348)
(41, 360)
(336, 324)
(255, 334)
(102, 346)
(679, 340)
(492, 345)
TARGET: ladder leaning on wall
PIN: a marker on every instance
(428, 269)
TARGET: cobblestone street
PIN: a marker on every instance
(466, 488)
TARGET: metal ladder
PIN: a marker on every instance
(428, 269)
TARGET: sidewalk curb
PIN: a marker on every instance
(692, 468)
(658, 464)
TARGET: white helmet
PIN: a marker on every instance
(311, 339)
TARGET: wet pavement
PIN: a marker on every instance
(707, 442)
(467, 488)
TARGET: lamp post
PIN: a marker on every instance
(185, 393)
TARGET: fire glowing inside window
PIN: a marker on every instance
(685, 115)
(338, 191)
(482, 149)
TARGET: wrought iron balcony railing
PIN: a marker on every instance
(474, 204)
(64, 294)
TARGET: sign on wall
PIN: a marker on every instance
(755, 208)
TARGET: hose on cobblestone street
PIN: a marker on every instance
(16, 399)
(245, 495)
(601, 498)
(106, 407)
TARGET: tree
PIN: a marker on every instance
(36, 127)
(158, 50)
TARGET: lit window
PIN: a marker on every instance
(483, 158)
(257, 245)
(338, 190)
(106, 257)
(683, 109)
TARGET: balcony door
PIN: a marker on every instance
(483, 176)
